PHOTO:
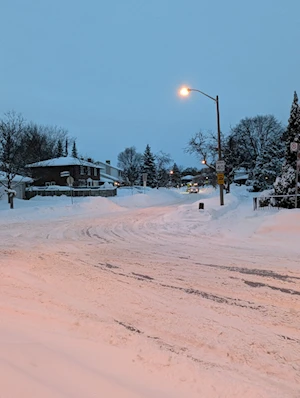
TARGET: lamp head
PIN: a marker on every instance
(184, 91)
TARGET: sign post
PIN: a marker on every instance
(295, 147)
(145, 175)
(70, 181)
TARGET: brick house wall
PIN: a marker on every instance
(50, 175)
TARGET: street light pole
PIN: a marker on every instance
(221, 187)
(185, 91)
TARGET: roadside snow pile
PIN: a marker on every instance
(45, 207)
(96, 205)
(151, 197)
(282, 226)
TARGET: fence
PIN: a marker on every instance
(275, 201)
(74, 192)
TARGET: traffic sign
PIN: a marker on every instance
(220, 166)
(220, 178)
(70, 181)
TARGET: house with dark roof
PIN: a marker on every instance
(56, 171)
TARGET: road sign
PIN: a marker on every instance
(220, 178)
(294, 146)
(70, 181)
(65, 174)
(220, 166)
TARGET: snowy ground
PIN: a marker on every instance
(145, 295)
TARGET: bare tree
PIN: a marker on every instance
(41, 142)
(12, 128)
(162, 161)
(130, 161)
(205, 147)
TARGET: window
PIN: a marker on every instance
(95, 172)
(89, 171)
(81, 170)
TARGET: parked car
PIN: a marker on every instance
(193, 189)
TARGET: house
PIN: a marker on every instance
(19, 184)
(187, 179)
(56, 171)
(241, 175)
(110, 173)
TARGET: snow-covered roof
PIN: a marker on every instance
(188, 177)
(108, 164)
(64, 161)
(17, 178)
(241, 170)
(241, 177)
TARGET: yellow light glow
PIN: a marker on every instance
(184, 91)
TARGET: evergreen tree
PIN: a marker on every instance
(66, 147)
(74, 150)
(148, 167)
(59, 149)
(175, 176)
(286, 183)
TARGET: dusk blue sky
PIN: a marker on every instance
(109, 71)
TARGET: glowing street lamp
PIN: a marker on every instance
(185, 91)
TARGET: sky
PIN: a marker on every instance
(109, 72)
(142, 295)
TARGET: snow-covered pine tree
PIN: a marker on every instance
(268, 166)
(286, 183)
(149, 167)
(175, 176)
(66, 148)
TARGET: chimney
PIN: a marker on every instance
(107, 161)
(89, 160)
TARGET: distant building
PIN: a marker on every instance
(241, 175)
(19, 184)
(109, 173)
(187, 179)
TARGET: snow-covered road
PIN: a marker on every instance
(146, 296)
